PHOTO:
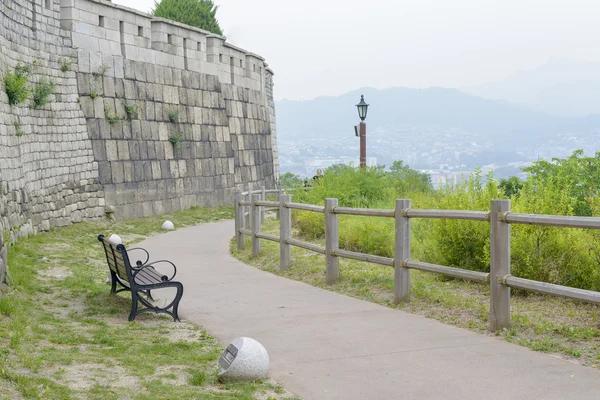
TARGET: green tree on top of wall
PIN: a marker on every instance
(198, 13)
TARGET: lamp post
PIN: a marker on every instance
(362, 113)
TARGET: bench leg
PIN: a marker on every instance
(113, 282)
(134, 305)
(176, 302)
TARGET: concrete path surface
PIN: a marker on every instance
(325, 345)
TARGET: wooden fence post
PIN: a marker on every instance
(248, 197)
(499, 265)
(263, 197)
(255, 216)
(278, 196)
(332, 242)
(401, 252)
(285, 232)
(239, 221)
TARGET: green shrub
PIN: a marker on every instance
(310, 225)
(41, 92)
(18, 128)
(132, 111)
(16, 84)
(111, 116)
(562, 256)
(174, 115)
(65, 64)
(175, 140)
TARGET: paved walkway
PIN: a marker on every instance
(328, 346)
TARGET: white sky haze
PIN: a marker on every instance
(329, 47)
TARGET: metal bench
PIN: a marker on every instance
(140, 279)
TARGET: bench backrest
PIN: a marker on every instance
(117, 259)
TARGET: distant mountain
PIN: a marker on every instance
(439, 107)
(560, 87)
(433, 129)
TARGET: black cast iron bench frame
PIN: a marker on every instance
(140, 279)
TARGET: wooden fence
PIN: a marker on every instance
(500, 218)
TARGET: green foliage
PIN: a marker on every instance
(41, 92)
(291, 181)
(580, 175)
(364, 187)
(511, 186)
(198, 13)
(18, 128)
(111, 116)
(562, 256)
(133, 110)
(16, 84)
(175, 140)
(65, 64)
(93, 95)
(173, 115)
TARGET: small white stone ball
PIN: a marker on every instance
(168, 226)
(250, 364)
(115, 239)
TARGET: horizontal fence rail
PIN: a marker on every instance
(249, 213)
(449, 214)
(306, 245)
(367, 212)
(449, 271)
(549, 288)
(364, 257)
(267, 203)
(305, 207)
(552, 220)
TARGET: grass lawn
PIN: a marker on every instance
(63, 336)
(543, 323)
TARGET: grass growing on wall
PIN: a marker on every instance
(41, 92)
(63, 336)
(16, 84)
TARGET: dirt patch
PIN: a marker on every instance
(82, 377)
(273, 391)
(8, 390)
(172, 374)
(54, 273)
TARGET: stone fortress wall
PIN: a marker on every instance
(151, 116)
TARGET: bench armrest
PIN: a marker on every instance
(139, 263)
(151, 265)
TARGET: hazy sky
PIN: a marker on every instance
(329, 47)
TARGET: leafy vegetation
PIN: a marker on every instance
(175, 140)
(41, 92)
(18, 128)
(16, 84)
(174, 115)
(65, 64)
(111, 116)
(562, 256)
(63, 336)
(132, 110)
(199, 13)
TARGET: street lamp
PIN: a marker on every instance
(362, 113)
(362, 108)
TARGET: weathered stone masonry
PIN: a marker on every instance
(152, 116)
